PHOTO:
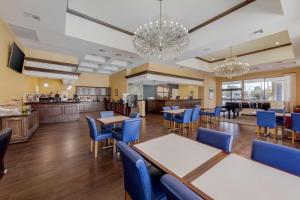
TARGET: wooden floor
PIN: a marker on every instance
(56, 162)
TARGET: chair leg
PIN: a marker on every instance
(293, 137)
(258, 130)
(115, 146)
(127, 196)
(91, 146)
(96, 149)
(274, 132)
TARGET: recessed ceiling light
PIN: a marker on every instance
(118, 54)
(131, 57)
(277, 43)
(111, 68)
(213, 59)
(102, 50)
(32, 16)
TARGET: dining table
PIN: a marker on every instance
(215, 174)
(174, 113)
(112, 120)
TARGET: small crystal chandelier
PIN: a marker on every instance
(231, 68)
(161, 40)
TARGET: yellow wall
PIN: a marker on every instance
(12, 84)
(185, 91)
(118, 82)
(267, 74)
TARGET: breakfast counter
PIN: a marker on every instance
(52, 112)
(155, 106)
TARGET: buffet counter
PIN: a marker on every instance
(23, 125)
(51, 112)
(155, 106)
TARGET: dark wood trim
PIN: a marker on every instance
(78, 14)
(50, 62)
(223, 14)
(247, 53)
(162, 74)
(50, 71)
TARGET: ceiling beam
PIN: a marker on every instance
(51, 62)
(50, 71)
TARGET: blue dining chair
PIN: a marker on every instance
(97, 135)
(295, 125)
(184, 120)
(175, 190)
(134, 115)
(105, 114)
(217, 139)
(175, 107)
(138, 182)
(197, 106)
(195, 117)
(167, 116)
(130, 132)
(266, 119)
(277, 156)
(280, 120)
(216, 114)
(5, 136)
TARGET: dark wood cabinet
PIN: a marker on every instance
(91, 106)
(155, 106)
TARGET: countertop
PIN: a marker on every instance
(64, 102)
(172, 99)
(17, 115)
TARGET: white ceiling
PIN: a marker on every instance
(272, 16)
(131, 14)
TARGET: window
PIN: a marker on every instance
(274, 89)
(254, 90)
(231, 91)
(162, 92)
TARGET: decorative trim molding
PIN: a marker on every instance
(203, 24)
(50, 62)
(223, 14)
(162, 74)
(247, 53)
(49, 71)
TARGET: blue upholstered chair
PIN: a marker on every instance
(138, 182)
(97, 135)
(295, 125)
(175, 107)
(195, 116)
(184, 120)
(197, 106)
(216, 114)
(5, 136)
(277, 156)
(130, 132)
(176, 190)
(104, 114)
(134, 115)
(266, 119)
(217, 139)
(280, 120)
(167, 116)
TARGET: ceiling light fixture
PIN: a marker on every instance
(161, 40)
(231, 67)
(277, 43)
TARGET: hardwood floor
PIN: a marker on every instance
(57, 164)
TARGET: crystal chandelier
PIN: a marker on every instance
(231, 68)
(161, 40)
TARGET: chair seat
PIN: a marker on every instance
(103, 134)
(178, 120)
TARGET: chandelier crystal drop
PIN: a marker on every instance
(162, 39)
(231, 68)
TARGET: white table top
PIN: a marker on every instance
(178, 111)
(238, 178)
(178, 154)
(112, 120)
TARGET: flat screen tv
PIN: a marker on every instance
(16, 59)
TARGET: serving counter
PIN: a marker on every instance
(51, 112)
(155, 106)
(23, 125)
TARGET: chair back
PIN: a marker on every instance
(218, 110)
(277, 156)
(92, 127)
(5, 136)
(195, 114)
(266, 119)
(137, 181)
(176, 190)
(296, 121)
(198, 106)
(134, 115)
(131, 130)
(217, 139)
(166, 115)
(104, 114)
(175, 107)
(276, 110)
(187, 115)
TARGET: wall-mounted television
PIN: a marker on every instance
(16, 59)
